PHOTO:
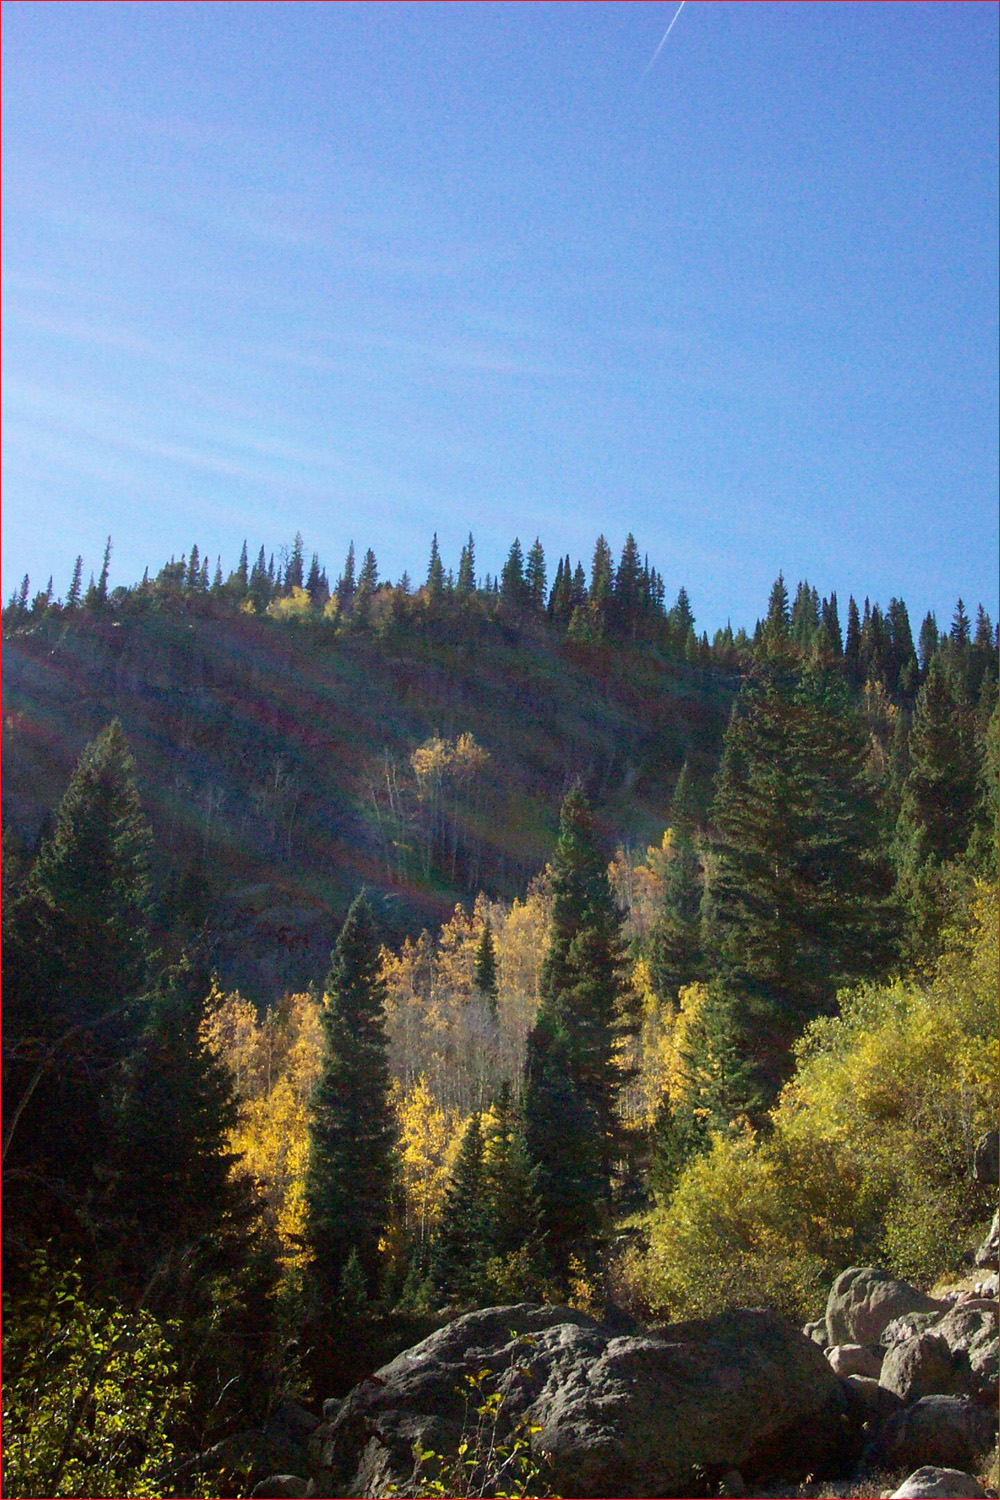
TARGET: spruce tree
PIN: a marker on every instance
(462, 1244)
(435, 573)
(627, 589)
(571, 1081)
(485, 971)
(466, 583)
(534, 577)
(349, 1181)
(513, 587)
(76, 586)
(801, 884)
(939, 797)
(295, 571)
(852, 646)
(674, 943)
(77, 965)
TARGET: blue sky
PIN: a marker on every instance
(374, 270)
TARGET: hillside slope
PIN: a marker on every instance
(275, 759)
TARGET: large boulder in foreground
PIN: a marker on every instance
(864, 1300)
(930, 1483)
(615, 1415)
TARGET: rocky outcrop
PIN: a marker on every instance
(986, 1159)
(988, 1254)
(957, 1354)
(865, 1299)
(625, 1415)
(931, 1483)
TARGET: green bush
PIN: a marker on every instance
(867, 1156)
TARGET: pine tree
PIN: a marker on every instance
(674, 944)
(76, 586)
(367, 585)
(462, 1245)
(484, 975)
(830, 617)
(77, 966)
(193, 579)
(513, 588)
(239, 582)
(534, 577)
(627, 590)
(178, 1208)
(513, 1205)
(938, 802)
(101, 591)
(927, 641)
(259, 587)
(295, 571)
(852, 646)
(801, 886)
(435, 573)
(961, 631)
(601, 589)
(570, 1080)
(466, 584)
(348, 1186)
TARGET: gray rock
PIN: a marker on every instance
(280, 1487)
(816, 1332)
(875, 1400)
(972, 1331)
(856, 1359)
(988, 1254)
(900, 1330)
(953, 1431)
(930, 1483)
(864, 1300)
(630, 1415)
(986, 1159)
(924, 1366)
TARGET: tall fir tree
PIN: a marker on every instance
(466, 583)
(75, 594)
(674, 943)
(534, 578)
(463, 1243)
(435, 573)
(571, 1082)
(349, 1181)
(484, 975)
(801, 886)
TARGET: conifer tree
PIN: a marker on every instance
(259, 587)
(938, 801)
(240, 580)
(77, 964)
(314, 583)
(570, 1080)
(801, 886)
(852, 646)
(627, 589)
(830, 617)
(514, 1211)
(675, 956)
(349, 1181)
(601, 589)
(534, 578)
(346, 583)
(578, 594)
(513, 588)
(462, 1245)
(466, 584)
(484, 975)
(435, 573)
(295, 571)
(76, 586)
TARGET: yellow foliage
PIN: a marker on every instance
(294, 606)
(275, 1062)
(429, 1142)
(868, 1152)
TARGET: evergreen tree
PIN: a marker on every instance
(466, 584)
(259, 587)
(852, 646)
(239, 582)
(513, 1206)
(101, 592)
(601, 589)
(435, 573)
(193, 580)
(77, 964)
(349, 1181)
(513, 587)
(179, 1211)
(938, 802)
(367, 585)
(777, 622)
(462, 1245)
(559, 606)
(801, 888)
(571, 1081)
(830, 617)
(314, 584)
(295, 571)
(346, 584)
(534, 578)
(674, 944)
(76, 586)
(961, 632)
(628, 589)
(928, 641)
(484, 975)
(578, 594)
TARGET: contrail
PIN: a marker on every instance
(663, 43)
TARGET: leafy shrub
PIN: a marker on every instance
(867, 1156)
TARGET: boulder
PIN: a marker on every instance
(986, 1159)
(953, 1431)
(614, 1415)
(856, 1359)
(988, 1254)
(972, 1332)
(865, 1299)
(816, 1332)
(874, 1400)
(923, 1366)
(930, 1483)
(281, 1487)
(912, 1325)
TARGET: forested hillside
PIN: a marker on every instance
(662, 974)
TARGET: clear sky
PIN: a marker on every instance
(374, 270)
